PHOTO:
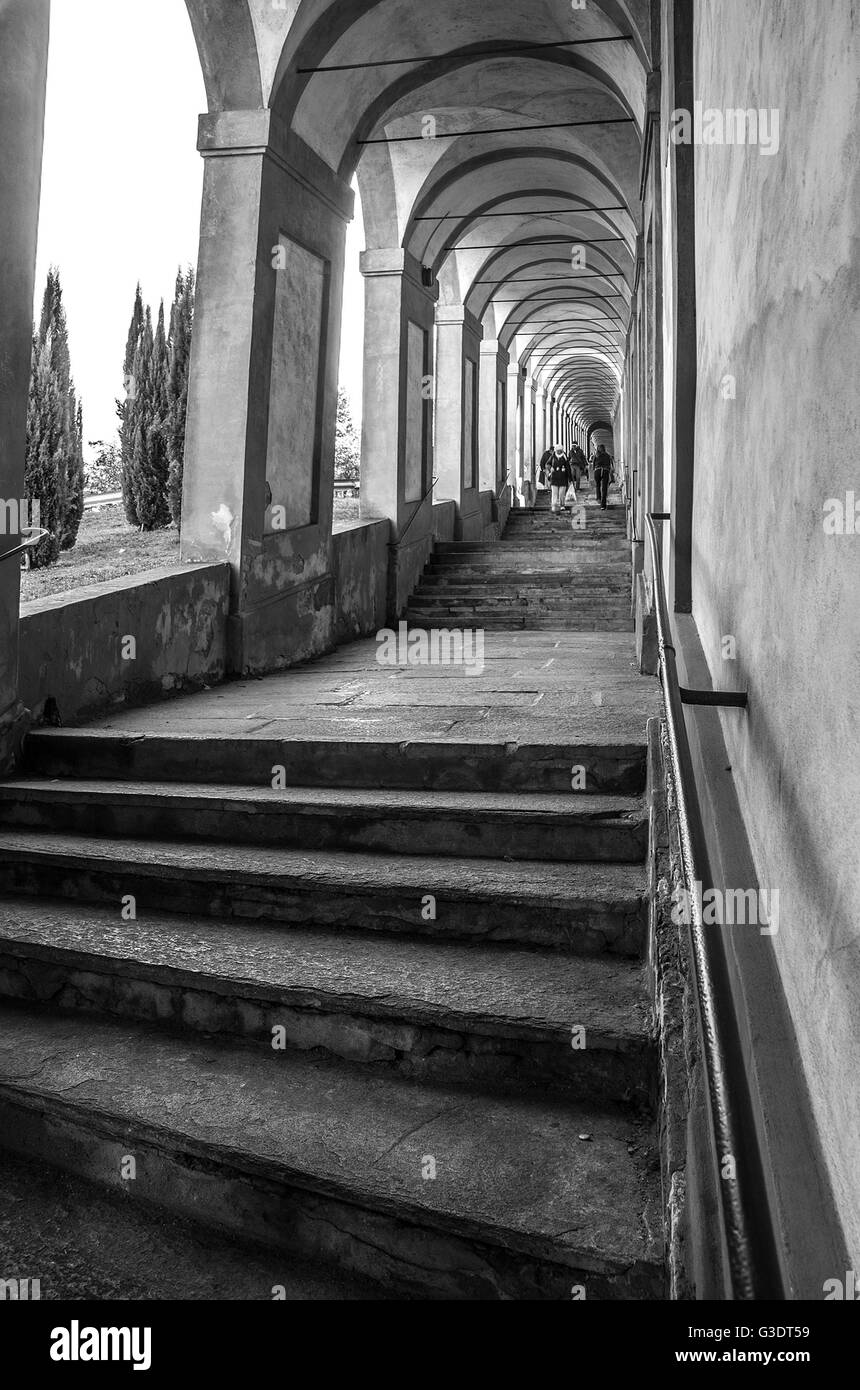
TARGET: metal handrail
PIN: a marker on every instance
(393, 545)
(40, 534)
(754, 1266)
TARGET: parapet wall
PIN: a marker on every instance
(147, 636)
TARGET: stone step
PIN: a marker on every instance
(513, 622)
(448, 581)
(85, 1242)
(593, 523)
(612, 754)
(566, 538)
(450, 616)
(430, 1189)
(586, 908)
(499, 567)
(480, 825)
(572, 603)
(488, 1016)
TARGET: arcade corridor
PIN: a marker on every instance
(525, 964)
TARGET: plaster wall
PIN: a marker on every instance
(24, 44)
(71, 647)
(360, 564)
(777, 309)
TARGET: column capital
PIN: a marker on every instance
(491, 347)
(395, 260)
(221, 134)
(458, 314)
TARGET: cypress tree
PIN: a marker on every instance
(145, 471)
(44, 460)
(181, 324)
(75, 478)
(54, 469)
(152, 506)
(125, 408)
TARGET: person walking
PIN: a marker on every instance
(527, 484)
(560, 478)
(603, 464)
(578, 465)
(545, 466)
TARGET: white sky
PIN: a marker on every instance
(122, 182)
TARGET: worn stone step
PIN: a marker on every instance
(466, 824)
(499, 567)
(587, 622)
(611, 752)
(83, 1241)
(451, 582)
(426, 1188)
(571, 543)
(606, 605)
(484, 1015)
(587, 908)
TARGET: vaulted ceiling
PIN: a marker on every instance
(498, 143)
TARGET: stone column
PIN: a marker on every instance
(458, 339)
(540, 401)
(528, 440)
(262, 403)
(552, 416)
(24, 45)
(396, 430)
(515, 420)
(396, 460)
(492, 445)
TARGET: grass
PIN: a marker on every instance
(108, 548)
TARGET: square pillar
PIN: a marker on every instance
(540, 412)
(262, 403)
(397, 419)
(529, 427)
(492, 444)
(458, 340)
(396, 444)
(24, 26)
(515, 420)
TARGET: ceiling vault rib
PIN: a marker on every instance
(512, 51)
(495, 130)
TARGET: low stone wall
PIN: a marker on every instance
(360, 565)
(125, 642)
(141, 638)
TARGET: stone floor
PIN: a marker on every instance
(299, 910)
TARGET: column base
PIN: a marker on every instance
(14, 726)
(289, 628)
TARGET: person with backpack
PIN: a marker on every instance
(603, 464)
(560, 478)
(544, 466)
(578, 465)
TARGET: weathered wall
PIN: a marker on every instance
(24, 28)
(777, 307)
(72, 646)
(360, 565)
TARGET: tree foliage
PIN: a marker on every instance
(347, 449)
(54, 462)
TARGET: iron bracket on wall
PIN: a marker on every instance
(727, 699)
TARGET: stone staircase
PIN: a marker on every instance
(351, 1013)
(547, 572)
